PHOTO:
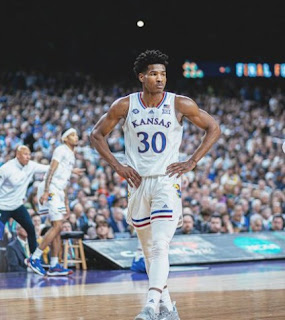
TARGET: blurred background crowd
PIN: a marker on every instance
(237, 187)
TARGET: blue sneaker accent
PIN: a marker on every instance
(36, 266)
(138, 265)
(58, 270)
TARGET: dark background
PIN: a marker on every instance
(101, 37)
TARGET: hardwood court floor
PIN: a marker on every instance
(249, 291)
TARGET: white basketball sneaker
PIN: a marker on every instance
(165, 314)
(147, 313)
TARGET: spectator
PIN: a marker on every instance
(215, 224)
(90, 222)
(256, 223)
(118, 222)
(102, 231)
(239, 220)
(18, 251)
(188, 225)
(277, 223)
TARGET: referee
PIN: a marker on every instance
(15, 176)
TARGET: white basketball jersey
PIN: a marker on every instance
(152, 135)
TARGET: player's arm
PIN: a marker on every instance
(53, 166)
(118, 110)
(186, 107)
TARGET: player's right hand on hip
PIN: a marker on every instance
(44, 197)
(130, 174)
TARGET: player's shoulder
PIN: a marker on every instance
(120, 106)
(186, 105)
(60, 149)
(181, 99)
(122, 102)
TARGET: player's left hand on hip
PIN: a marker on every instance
(179, 168)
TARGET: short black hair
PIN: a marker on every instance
(276, 216)
(63, 131)
(148, 57)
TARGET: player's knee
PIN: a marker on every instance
(160, 247)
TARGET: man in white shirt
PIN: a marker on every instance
(15, 177)
(53, 200)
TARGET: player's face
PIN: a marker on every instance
(24, 155)
(72, 139)
(154, 79)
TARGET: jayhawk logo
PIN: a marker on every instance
(50, 195)
(177, 187)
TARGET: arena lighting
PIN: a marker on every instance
(140, 23)
(191, 70)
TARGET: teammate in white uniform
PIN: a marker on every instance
(53, 201)
(153, 133)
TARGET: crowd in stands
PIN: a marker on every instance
(237, 187)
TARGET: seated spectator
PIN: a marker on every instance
(102, 231)
(227, 226)
(230, 179)
(117, 221)
(66, 227)
(256, 223)
(214, 225)
(188, 225)
(239, 221)
(17, 251)
(90, 222)
(37, 222)
(266, 214)
(73, 221)
(277, 223)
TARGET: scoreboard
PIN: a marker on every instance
(192, 69)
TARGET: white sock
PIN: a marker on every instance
(37, 254)
(53, 261)
(165, 299)
(152, 300)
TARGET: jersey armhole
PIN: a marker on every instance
(127, 117)
(180, 124)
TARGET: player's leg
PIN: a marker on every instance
(22, 216)
(57, 269)
(4, 217)
(165, 213)
(151, 306)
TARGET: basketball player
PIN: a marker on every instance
(15, 177)
(153, 134)
(53, 201)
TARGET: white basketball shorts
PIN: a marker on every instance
(55, 206)
(157, 198)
